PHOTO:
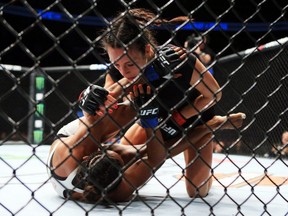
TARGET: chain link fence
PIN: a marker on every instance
(49, 53)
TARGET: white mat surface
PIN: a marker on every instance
(242, 189)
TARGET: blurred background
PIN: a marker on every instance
(44, 37)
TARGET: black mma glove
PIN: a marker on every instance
(167, 59)
(91, 98)
(148, 112)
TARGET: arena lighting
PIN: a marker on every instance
(201, 26)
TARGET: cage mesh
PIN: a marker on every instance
(49, 53)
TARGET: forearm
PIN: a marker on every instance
(156, 151)
(139, 172)
(70, 150)
(117, 88)
(143, 169)
(208, 88)
(200, 104)
(89, 133)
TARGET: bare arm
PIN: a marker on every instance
(70, 150)
(108, 81)
(88, 135)
(208, 87)
(115, 88)
(139, 172)
(143, 169)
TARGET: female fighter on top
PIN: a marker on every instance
(185, 91)
(82, 168)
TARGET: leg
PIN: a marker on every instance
(136, 134)
(198, 152)
(198, 159)
(232, 121)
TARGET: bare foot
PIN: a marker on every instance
(233, 121)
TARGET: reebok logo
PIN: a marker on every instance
(164, 61)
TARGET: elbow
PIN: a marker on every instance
(218, 95)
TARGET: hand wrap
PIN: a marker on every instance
(91, 98)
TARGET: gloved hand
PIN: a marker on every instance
(91, 98)
(148, 111)
(167, 59)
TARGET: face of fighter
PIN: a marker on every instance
(128, 63)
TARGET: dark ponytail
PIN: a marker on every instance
(134, 28)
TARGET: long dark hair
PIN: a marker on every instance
(133, 28)
(97, 175)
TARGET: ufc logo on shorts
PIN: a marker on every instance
(149, 112)
(168, 130)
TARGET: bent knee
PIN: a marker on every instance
(201, 191)
(197, 193)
